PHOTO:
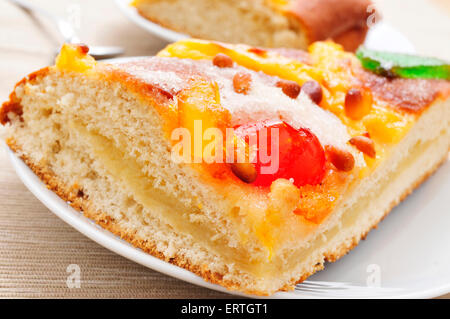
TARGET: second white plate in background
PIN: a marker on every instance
(380, 37)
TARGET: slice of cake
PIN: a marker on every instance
(248, 167)
(266, 23)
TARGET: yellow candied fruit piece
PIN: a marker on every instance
(283, 197)
(384, 126)
(270, 63)
(198, 110)
(330, 65)
(334, 64)
(74, 58)
(279, 4)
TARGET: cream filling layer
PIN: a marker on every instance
(128, 173)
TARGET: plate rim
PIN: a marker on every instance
(154, 28)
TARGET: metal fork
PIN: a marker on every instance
(67, 32)
(341, 289)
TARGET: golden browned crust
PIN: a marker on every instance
(345, 21)
(82, 203)
(406, 95)
(13, 105)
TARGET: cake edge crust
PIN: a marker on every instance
(83, 205)
(351, 35)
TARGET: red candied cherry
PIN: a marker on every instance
(301, 156)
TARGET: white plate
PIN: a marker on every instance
(406, 257)
(381, 36)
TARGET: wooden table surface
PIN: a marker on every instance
(35, 246)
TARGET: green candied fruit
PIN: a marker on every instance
(403, 65)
